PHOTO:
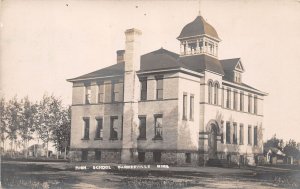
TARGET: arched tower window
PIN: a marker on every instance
(216, 92)
(210, 88)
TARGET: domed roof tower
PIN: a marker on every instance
(199, 37)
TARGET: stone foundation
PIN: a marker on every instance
(184, 158)
(114, 156)
(106, 156)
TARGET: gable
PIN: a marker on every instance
(239, 66)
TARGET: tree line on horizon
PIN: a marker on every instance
(23, 120)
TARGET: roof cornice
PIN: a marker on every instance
(171, 70)
(244, 87)
(196, 36)
(93, 78)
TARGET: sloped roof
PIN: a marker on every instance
(202, 62)
(198, 27)
(229, 64)
(116, 69)
(159, 59)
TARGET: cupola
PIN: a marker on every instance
(198, 37)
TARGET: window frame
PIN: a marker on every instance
(255, 104)
(101, 87)
(188, 158)
(99, 131)
(241, 101)
(157, 156)
(156, 130)
(143, 87)
(249, 103)
(210, 92)
(216, 93)
(192, 107)
(249, 134)
(98, 155)
(234, 134)
(184, 106)
(111, 136)
(228, 132)
(86, 128)
(228, 98)
(235, 100)
(241, 139)
(255, 136)
(140, 128)
(159, 89)
(88, 94)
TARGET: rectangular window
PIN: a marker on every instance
(188, 158)
(87, 94)
(241, 101)
(235, 100)
(86, 129)
(113, 128)
(97, 155)
(249, 103)
(191, 107)
(223, 96)
(122, 120)
(100, 92)
(157, 157)
(228, 97)
(84, 155)
(234, 133)
(255, 136)
(99, 129)
(143, 83)
(249, 135)
(141, 156)
(255, 104)
(114, 92)
(158, 132)
(159, 87)
(223, 134)
(241, 134)
(184, 107)
(227, 132)
(142, 128)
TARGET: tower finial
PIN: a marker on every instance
(199, 7)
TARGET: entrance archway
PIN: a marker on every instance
(213, 131)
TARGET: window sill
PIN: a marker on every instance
(141, 138)
(160, 138)
(192, 119)
(113, 138)
(184, 118)
(98, 138)
(85, 139)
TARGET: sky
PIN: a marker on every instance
(43, 43)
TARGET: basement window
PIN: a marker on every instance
(188, 158)
(157, 157)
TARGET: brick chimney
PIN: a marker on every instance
(131, 95)
(120, 56)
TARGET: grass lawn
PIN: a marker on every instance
(63, 175)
